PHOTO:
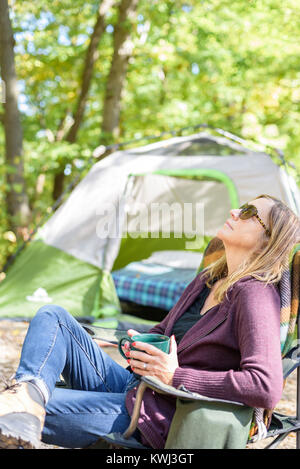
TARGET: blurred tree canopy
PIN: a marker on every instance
(99, 72)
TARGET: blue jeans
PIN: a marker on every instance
(55, 345)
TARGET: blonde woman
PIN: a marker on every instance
(225, 343)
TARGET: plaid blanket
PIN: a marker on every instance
(152, 284)
(289, 293)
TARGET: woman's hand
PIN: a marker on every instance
(151, 361)
(130, 333)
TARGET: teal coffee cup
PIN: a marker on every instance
(162, 342)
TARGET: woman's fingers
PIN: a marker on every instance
(141, 356)
(148, 348)
(140, 364)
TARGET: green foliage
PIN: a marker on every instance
(233, 65)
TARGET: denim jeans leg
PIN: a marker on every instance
(57, 344)
(76, 419)
(95, 405)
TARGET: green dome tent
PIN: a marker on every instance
(166, 198)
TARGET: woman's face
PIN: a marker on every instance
(246, 234)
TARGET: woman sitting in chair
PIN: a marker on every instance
(225, 343)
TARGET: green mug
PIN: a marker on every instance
(162, 342)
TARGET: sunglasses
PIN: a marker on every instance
(248, 211)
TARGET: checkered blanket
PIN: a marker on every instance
(289, 288)
(152, 284)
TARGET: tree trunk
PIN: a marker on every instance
(116, 79)
(16, 199)
(91, 57)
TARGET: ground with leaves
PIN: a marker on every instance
(12, 335)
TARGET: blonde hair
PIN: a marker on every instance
(272, 256)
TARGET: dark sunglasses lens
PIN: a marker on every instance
(247, 212)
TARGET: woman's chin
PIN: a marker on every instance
(221, 235)
(225, 235)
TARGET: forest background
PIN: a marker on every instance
(77, 75)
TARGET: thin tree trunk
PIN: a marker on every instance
(16, 198)
(116, 79)
(90, 60)
(91, 57)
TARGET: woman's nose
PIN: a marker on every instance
(235, 213)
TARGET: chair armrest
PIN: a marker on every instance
(181, 392)
(103, 333)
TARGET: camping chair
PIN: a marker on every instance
(281, 425)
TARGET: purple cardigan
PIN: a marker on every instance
(233, 353)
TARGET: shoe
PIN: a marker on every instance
(22, 416)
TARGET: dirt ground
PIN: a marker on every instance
(12, 334)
